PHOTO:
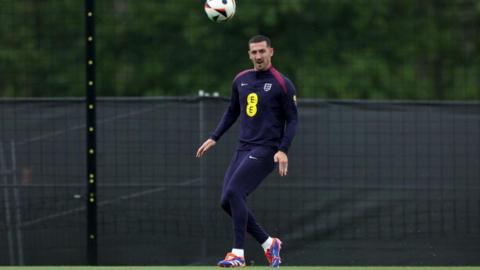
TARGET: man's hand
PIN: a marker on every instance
(205, 146)
(282, 160)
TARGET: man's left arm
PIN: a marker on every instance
(291, 119)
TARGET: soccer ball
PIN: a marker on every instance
(220, 10)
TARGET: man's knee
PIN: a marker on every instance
(227, 196)
(230, 194)
(225, 204)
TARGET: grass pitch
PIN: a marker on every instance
(246, 268)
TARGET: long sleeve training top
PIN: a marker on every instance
(266, 104)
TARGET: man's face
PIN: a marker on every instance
(261, 55)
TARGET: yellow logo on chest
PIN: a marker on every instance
(252, 101)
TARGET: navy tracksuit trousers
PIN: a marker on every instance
(245, 173)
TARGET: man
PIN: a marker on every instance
(265, 101)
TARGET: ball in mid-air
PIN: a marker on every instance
(220, 10)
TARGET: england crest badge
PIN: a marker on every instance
(267, 87)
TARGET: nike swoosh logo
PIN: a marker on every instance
(243, 84)
(252, 157)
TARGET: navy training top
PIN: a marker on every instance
(266, 102)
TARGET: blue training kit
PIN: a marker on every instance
(266, 104)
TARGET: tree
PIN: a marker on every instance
(360, 49)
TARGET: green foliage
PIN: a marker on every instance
(347, 49)
(41, 48)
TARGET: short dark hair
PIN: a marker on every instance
(260, 38)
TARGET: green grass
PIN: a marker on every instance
(248, 267)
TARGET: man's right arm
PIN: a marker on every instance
(230, 115)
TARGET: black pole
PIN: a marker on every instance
(91, 135)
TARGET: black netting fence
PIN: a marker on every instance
(369, 183)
